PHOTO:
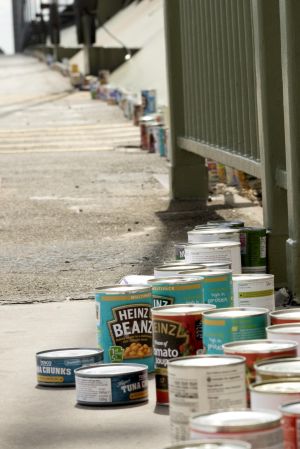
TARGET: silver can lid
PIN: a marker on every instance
(65, 353)
(211, 444)
(258, 346)
(181, 309)
(110, 369)
(204, 361)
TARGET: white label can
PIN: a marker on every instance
(253, 290)
(228, 252)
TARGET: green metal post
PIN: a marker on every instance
(290, 48)
(266, 27)
(188, 174)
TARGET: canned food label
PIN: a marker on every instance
(61, 371)
(177, 294)
(291, 432)
(159, 300)
(218, 291)
(256, 293)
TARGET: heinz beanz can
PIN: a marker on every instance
(254, 290)
(177, 332)
(55, 368)
(291, 425)
(124, 324)
(233, 324)
(202, 384)
(217, 286)
(178, 290)
(285, 316)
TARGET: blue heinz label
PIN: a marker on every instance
(217, 290)
(217, 331)
(165, 295)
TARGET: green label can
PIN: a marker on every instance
(177, 290)
(233, 324)
(253, 250)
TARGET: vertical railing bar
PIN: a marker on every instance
(188, 68)
(204, 71)
(214, 66)
(184, 68)
(192, 57)
(199, 78)
(208, 71)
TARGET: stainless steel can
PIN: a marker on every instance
(253, 290)
(261, 428)
(272, 394)
(224, 252)
(166, 270)
(211, 444)
(277, 369)
(213, 235)
(201, 384)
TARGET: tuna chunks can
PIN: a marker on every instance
(177, 332)
(112, 384)
(124, 324)
(285, 316)
(254, 250)
(285, 332)
(278, 369)
(55, 368)
(213, 235)
(202, 384)
(291, 425)
(217, 286)
(224, 252)
(211, 444)
(234, 324)
(273, 393)
(262, 429)
(178, 290)
(254, 290)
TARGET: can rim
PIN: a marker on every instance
(207, 272)
(78, 371)
(175, 281)
(217, 441)
(238, 360)
(283, 410)
(276, 327)
(219, 244)
(41, 354)
(276, 313)
(216, 230)
(136, 289)
(260, 311)
(230, 345)
(199, 307)
(237, 277)
(279, 380)
(259, 366)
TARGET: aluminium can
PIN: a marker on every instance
(177, 332)
(112, 384)
(233, 324)
(201, 384)
(285, 332)
(253, 249)
(272, 394)
(261, 428)
(176, 290)
(124, 324)
(278, 369)
(213, 235)
(285, 316)
(211, 444)
(254, 290)
(224, 252)
(291, 425)
(55, 367)
(217, 286)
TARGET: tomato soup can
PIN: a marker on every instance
(285, 316)
(278, 369)
(217, 286)
(261, 428)
(177, 290)
(202, 384)
(254, 249)
(124, 324)
(211, 444)
(55, 367)
(177, 332)
(224, 252)
(291, 425)
(213, 235)
(233, 324)
(285, 332)
(254, 290)
(112, 384)
(272, 394)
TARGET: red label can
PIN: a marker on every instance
(285, 316)
(291, 425)
(177, 332)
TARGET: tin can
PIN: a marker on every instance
(124, 324)
(136, 279)
(278, 369)
(291, 425)
(233, 324)
(285, 332)
(177, 332)
(148, 101)
(261, 428)
(217, 286)
(144, 122)
(176, 267)
(112, 384)
(213, 235)
(254, 249)
(272, 394)
(177, 290)
(211, 444)
(257, 350)
(179, 251)
(201, 384)
(224, 252)
(254, 290)
(160, 140)
(137, 113)
(227, 223)
(285, 316)
(55, 367)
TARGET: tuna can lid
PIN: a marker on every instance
(233, 421)
(279, 386)
(110, 369)
(68, 353)
(169, 281)
(281, 367)
(258, 346)
(236, 312)
(252, 277)
(123, 289)
(211, 444)
(287, 314)
(181, 309)
(290, 409)
(204, 361)
(284, 328)
(219, 244)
